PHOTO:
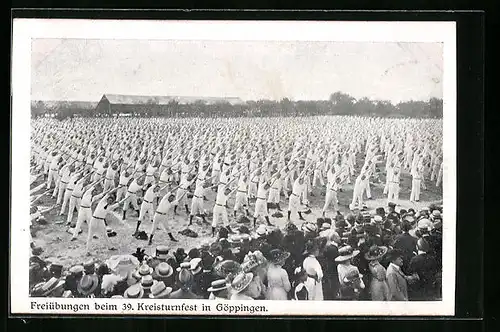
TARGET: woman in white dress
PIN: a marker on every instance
(314, 282)
(278, 284)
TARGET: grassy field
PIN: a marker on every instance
(55, 240)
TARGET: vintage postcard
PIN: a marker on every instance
(252, 168)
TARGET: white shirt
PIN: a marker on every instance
(150, 195)
(221, 197)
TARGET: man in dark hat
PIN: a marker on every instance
(392, 210)
(206, 277)
(186, 280)
(406, 243)
(426, 267)
(396, 279)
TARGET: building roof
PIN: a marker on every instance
(164, 100)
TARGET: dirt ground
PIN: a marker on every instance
(55, 239)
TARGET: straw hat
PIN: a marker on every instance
(218, 285)
(88, 284)
(163, 270)
(147, 282)
(161, 252)
(195, 265)
(375, 252)
(345, 253)
(160, 291)
(144, 270)
(49, 286)
(227, 267)
(134, 292)
(184, 265)
(278, 256)
(122, 264)
(241, 282)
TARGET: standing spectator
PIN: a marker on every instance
(278, 284)
(398, 287)
(379, 288)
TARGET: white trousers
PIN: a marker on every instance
(131, 199)
(317, 176)
(220, 214)
(393, 192)
(74, 203)
(415, 190)
(331, 197)
(109, 184)
(197, 206)
(366, 187)
(260, 208)
(294, 203)
(159, 220)
(274, 196)
(65, 199)
(241, 200)
(146, 209)
(357, 195)
(120, 193)
(97, 227)
(84, 214)
(181, 201)
(52, 177)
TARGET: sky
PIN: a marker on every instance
(79, 69)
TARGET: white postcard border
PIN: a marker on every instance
(26, 29)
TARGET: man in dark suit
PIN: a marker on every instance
(406, 243)
(186, 281)
(426, 267)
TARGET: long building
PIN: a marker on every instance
(113, 103)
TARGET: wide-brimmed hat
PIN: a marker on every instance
(375, 252)
(195, 265)
(241, 282)
(88, 284)
(147, 281)
(159, 290)
(278, 256)
(185, 277)
(424, 225)
(226, 268)
(253, 260)
(183, 265)
(122, 264)
(144, 270)
(163, 270)
(245, 237)
(48, 286)
(218, 285)
(234, 239)
(134, 292)
(345, 253)
(161, 252)
(309, 227)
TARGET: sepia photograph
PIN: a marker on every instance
(218, 169)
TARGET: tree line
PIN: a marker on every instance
(339, 103)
